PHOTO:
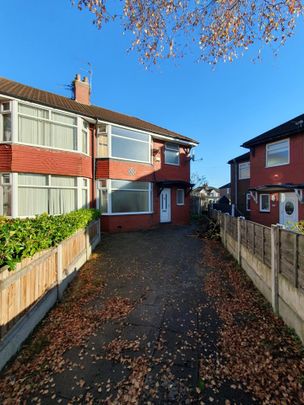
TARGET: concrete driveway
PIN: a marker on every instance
(148, 354)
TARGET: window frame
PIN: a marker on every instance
(14, 111)
(275, 143)
(260, 202)
(168, 148)
(109, 197)
(110, 135)
(239, 170)
(182, 203)
(3, 113)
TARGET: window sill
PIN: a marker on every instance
(283, 164)
(126, 213)
(172, 164)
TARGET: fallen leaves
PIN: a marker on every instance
(254, 347)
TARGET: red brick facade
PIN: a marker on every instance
(290, 173)
(158, 171)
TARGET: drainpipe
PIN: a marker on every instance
(94, 164)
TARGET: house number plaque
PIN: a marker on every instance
(131, 171)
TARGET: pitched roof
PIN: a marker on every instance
(245, 156)
(291, 127)
(27, 93)
(228, 185)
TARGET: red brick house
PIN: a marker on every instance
(240, 184)
(277, 174)
(59, 154)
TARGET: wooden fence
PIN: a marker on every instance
(29, 291)
(273, 258)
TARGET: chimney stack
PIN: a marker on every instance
(82, 90)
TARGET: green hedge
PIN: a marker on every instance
(20, 238)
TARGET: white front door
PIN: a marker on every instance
(165, 205)
(288, 209)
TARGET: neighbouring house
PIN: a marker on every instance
(277, 174)
(240, 168)
(225, 191)
(205, 195)
(59, 154)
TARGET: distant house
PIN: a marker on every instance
(240, 184)
(59, 154)
(225, 191)
(206, 195)
(277, 174)
(267, 183)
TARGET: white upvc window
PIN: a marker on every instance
(6, 194)
(264, 202)
(248, 201)
(244, 170)
(278, 153)
(171, 153)
(6, 121)
(41, 126)
(29, 194)
(180, 197)
(120, 197)
(129, 144)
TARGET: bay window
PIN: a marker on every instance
(28, 194)
(121, 196)
(45, 127)
(171, 154)
(130, 145)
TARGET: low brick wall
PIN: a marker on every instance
(29, 292)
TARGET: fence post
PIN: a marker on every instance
(225, 229)
(87, 243)
(239, 219)
(59, 271)
(275, 258)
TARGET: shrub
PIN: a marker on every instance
(20, 238)
(298, 227)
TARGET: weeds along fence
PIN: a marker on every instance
(274, 260)
(28, 292)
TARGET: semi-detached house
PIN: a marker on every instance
(59, 154)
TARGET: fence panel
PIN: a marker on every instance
(267, 246)
(288, 260)
(21, 290)
(300, 260)
(72, 247)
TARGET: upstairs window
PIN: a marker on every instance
(172, 154)
(244, 170)
(5, 122)
(277, 153)
(130, 145)
(44, 127)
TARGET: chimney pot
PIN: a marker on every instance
(82, 90)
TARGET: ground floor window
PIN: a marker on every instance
(265, 202)
(28, 194)
(122, 196)
(180, 197)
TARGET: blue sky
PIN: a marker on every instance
(45, 43)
